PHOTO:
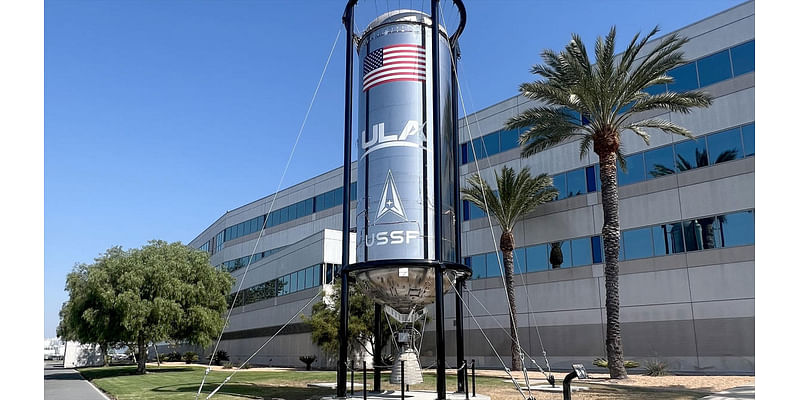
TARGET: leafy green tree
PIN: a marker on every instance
(89, 316)
(324, 322)
(603, 99)
(517, 195)
(159, 292)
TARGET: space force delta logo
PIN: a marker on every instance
(380, 140)
(391, 205)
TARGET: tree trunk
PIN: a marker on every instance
(142, 359)
(104, 352)
(507, 246)
(611, 234)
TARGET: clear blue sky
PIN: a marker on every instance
(161, 116)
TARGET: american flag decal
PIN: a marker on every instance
(400, 62)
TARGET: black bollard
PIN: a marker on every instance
(473, 377)
(402, 379)
(352, 373)
(364, 387)
(463, 373)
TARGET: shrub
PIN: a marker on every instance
(245, 366)
(172, 356)
(603, 363)
(307, 360)
(190, 357)
(228, 365)
(656, 368)
(219, 356)
(163, 358)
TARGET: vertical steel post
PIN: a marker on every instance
(364, 383)
(462, 373)
(441, 384)
(402, 379)
(376, 358)
(352, 376)
(341, 376)
(473, 377)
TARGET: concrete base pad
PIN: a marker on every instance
(413, 394)
(548, 387)
(331, 385)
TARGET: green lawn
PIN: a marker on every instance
(182, 382)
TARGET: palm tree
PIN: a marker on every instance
(517, 195)
(595, 104)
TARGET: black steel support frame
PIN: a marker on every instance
(341, 375)
(341, 378)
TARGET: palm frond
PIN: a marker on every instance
(663, 125)
(517, 195)
(677, 102)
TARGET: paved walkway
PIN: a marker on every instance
(67, 384)
(741, 392)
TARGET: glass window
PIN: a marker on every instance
(576, 182)
(319, 202)
(308, 206)
(702, 234)
(667, 239)
(536, 258)
(581, 251)
(292, 212)
(737, 229)
(553, 249)
(519, 261)
(328, 273)
(284, 214)
(492, 143)
(509, 140)
(295, 282)
(725, 146)
(684, 78)
(475, 211)
(285, 284)
(353, 192)
(638, 243)
(479, 148)
(744, 58)
(597, 250)
(560, 183)
(465, 210)
(338, 196)
(478, 266)
(576, 116)
(635, 172)
(330, 199)
(656, 89)
(493, 264)
(749, 134)
(714, 68)
(691, 154)
(465, 153)
(591, 185)
(301, 209)
(659, 162)
(317, 274)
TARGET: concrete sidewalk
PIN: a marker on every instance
(741, 392)
(67, 384)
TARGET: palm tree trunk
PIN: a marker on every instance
(507, 246)
(611, 234)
